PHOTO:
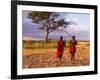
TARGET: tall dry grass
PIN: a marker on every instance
(41, 55)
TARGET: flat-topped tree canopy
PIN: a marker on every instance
(49, 21)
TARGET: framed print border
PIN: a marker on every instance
(14, 44)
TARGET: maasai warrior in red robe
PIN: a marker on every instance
(60, 48)
(72, 48)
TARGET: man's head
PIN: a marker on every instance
(61, 37)
(73, 37)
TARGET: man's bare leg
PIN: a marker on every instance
(58, 61)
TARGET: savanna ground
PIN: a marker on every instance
(38, 54)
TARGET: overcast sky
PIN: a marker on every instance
(81, 29)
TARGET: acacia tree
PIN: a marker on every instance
(49, 21)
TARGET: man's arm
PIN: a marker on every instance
(64, 43)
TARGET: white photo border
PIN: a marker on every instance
(53, 70)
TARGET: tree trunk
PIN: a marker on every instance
(47, 29)
(47, 34)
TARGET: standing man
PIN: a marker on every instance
(72, 49)
(60, 49)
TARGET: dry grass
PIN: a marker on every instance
(40, 58)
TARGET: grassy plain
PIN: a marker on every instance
(38, 54)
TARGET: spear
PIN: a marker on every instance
(65, 32)
(68, 33)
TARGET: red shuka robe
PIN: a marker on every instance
(72, 48)
(60, 49)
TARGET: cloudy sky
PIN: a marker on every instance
(81, 28)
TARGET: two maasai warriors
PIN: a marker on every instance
(60, 48)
